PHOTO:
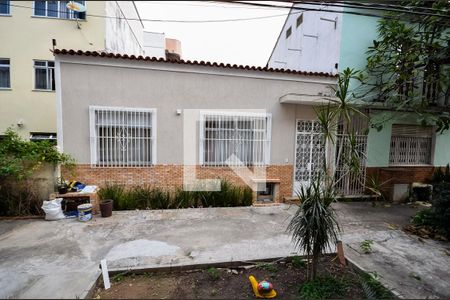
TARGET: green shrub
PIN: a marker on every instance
(113, 192)
(424, 217)
(322, 288)
(160, 199)
(147, 197)
(19, 159)
(441, 207)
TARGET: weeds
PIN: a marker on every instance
(322, 288)
(373, 289)
(366, 246)
(269, 267)
(298, 262)
(214, 273)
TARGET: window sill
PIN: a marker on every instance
(38, 90)
(5, 15)
(56, 18)
(5, 89)
(406, 166)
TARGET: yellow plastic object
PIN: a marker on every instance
(254, 283)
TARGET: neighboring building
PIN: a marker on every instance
(157, 45)
(402, 151)
(309, 40)
(124, 121)
(27, 71)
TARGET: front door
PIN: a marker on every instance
(309, 153)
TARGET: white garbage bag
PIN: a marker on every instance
(53, 210)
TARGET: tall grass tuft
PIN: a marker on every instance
(147, 197)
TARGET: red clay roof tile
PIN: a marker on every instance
(188, 62)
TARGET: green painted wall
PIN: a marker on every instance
(357, 35)
(378, 142)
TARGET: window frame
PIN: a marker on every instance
(48, 75)
(9, 73)
(267, 143)
(71, 13)
(95, 161)
(8, 5)
(432, 137)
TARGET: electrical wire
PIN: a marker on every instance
(168, 21)
(341, 6)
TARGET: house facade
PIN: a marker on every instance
(402, 151)
(126, 121)
(27, 70)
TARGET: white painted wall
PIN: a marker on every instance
(123, 35)
(154, 44)
(312, 46)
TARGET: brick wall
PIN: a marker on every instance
(393, 175)
(171, 176)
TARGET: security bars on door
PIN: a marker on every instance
(350, 183)
(122, 137)
(234, 139)
(410, 145)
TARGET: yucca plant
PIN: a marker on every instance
(314, 227)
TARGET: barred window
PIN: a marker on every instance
(410, 145)
(235, 139)
(122, 137)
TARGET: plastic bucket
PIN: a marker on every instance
(84, 212)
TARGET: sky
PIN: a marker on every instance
(242, 42)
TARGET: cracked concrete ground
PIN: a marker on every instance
(59, 259)
(412, 268)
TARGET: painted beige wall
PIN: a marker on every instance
(132, 84)
(25, 38)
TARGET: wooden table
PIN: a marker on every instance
(82, 197)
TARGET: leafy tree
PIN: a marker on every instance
(408, 66)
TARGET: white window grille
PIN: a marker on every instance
(235, 139)
(410, 145)
(122, 137)
(44, 75)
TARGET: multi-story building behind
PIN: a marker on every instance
(27, 72)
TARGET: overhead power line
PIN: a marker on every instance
(167, 20)
(444, 14)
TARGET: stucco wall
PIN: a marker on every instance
(313, 46)
(122, 35)
(129, 84)
(379, 141)
(24, 38)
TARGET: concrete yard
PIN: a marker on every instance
(60, 259)
(411, 267)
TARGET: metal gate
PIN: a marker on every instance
(350, 183)
(309, 153)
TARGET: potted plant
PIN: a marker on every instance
(62, 186)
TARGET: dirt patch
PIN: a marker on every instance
(226, 283)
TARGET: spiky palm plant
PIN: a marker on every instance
(314, 227)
